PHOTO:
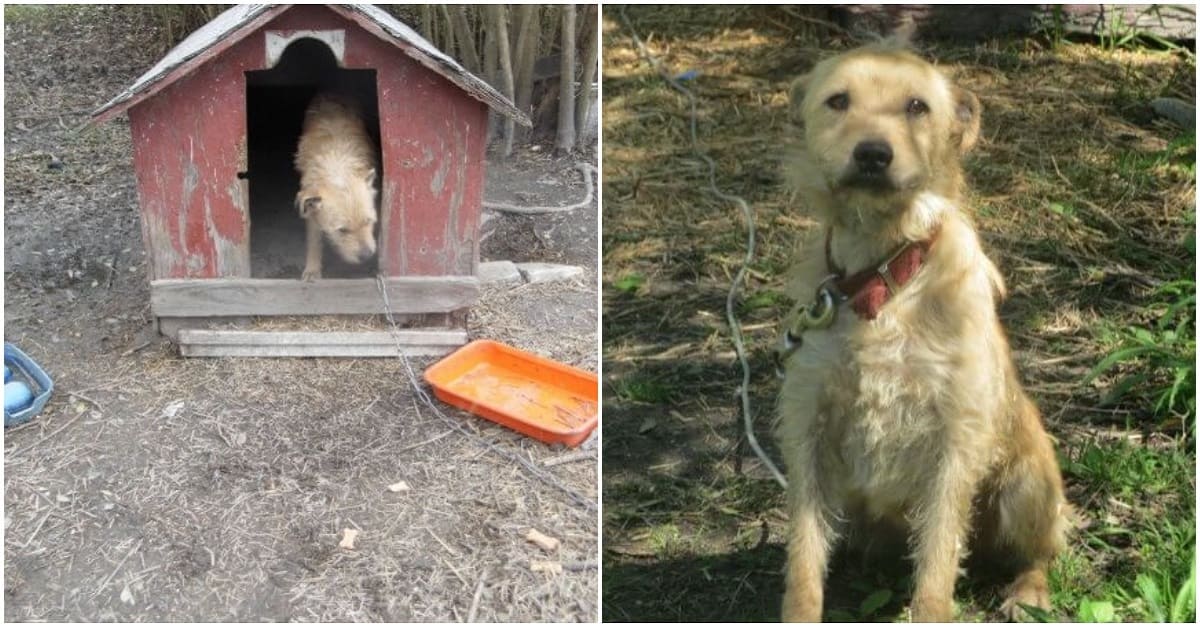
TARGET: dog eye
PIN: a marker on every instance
(917, 107)
(343, 230)
(839, 101)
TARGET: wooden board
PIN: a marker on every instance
(971, 22)
(285, 297)
(233, 343)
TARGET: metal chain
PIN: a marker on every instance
(533, 470)
(735, 328)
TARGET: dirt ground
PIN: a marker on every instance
(1083, 197)
(154, 488)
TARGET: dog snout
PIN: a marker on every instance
(872, 157)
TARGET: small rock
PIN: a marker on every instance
(1178, 111)
(399, 486)
(348, 538)
(547, 272)
(499, 273)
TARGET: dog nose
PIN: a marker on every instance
(873, 156)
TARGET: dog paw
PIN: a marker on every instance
(311, 274)
(1024, 593)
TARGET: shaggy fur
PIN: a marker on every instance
(336, 161)
(915, 420)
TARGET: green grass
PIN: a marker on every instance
(630, 283)
(643, 390)
(1140, 532)
(764, 299)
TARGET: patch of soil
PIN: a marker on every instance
(155, 488)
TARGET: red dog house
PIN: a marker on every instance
(214, 127)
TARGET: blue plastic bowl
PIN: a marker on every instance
(40, 385)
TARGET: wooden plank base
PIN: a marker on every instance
(171, 326)
(284, 297)
(235, 343)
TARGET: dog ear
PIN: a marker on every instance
(796, 98)
(967, 111)
(308, 206)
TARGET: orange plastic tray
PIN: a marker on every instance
(544, 399)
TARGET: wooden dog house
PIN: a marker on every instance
(214, 127)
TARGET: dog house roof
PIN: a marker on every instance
(240, 21)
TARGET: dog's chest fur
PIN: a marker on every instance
(875, 428)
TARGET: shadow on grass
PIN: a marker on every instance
(740, 586)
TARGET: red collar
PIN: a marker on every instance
(869, 289)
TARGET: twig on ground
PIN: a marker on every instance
(585, 168)
(566, 458)
(478, 595)
(121, 563)
(60, 429)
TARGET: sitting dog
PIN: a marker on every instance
(901, 407)
(336, 162)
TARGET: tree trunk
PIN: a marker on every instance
(500, 27)
(566, 83)
(427, 24)
(448, 44)
(466, 39)
(490, 62)
(526, 54)
(583, 128)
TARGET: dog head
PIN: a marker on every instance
(880, 125)
(345, 212)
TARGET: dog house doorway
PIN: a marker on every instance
(275, 103)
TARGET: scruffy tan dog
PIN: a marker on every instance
(336, 161)
(901, 407)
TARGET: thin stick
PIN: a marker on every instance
(475, 599)
(566, 458)
(587, 200)
(429, 441)
(119, 565)
(50, 435)
(38, 528)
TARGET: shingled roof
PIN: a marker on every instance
(240, 21)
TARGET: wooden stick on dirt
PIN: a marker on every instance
(478, 595)
(566, 458)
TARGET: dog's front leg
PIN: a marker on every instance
(312, 261)
(808, 552)
(940, 527)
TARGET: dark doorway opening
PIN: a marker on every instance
(275, 103)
